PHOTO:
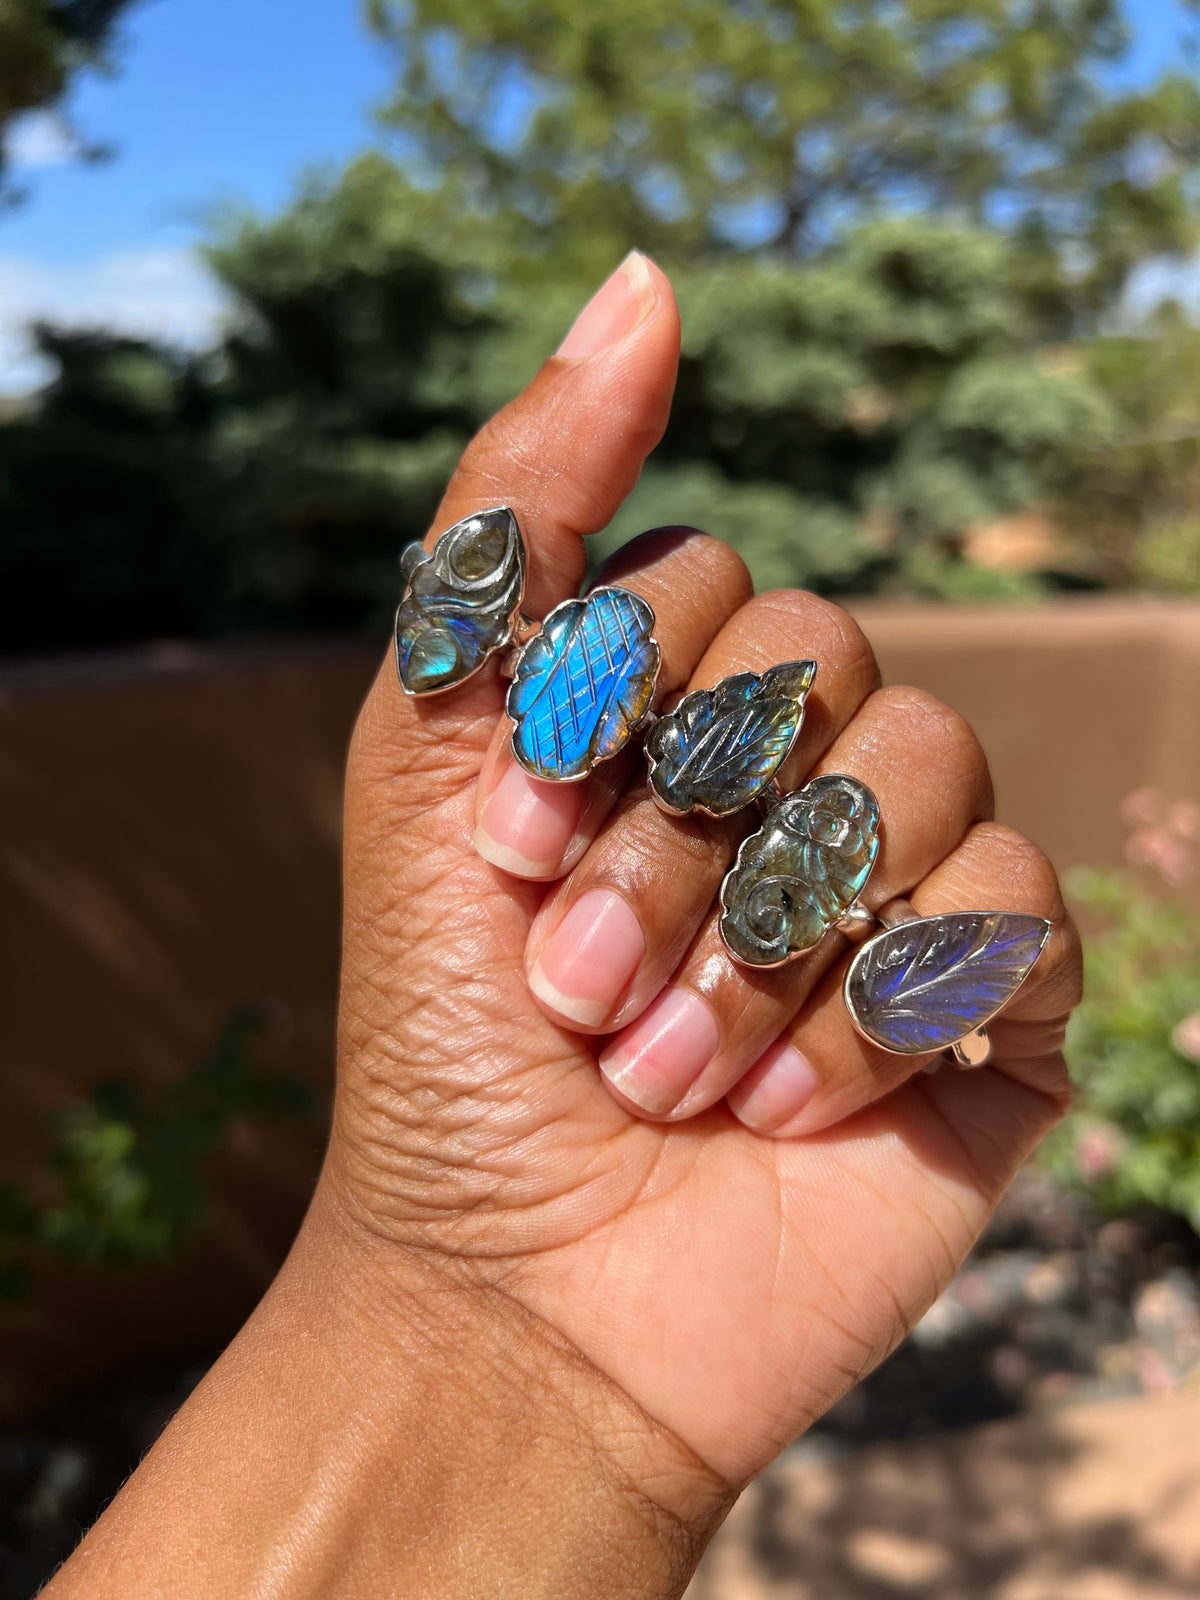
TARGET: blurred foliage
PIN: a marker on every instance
(1133, 1046)
(886, 224)
(43, 43)
(1132, 508)
(707, 127)
(842, 422)
(124, 1180)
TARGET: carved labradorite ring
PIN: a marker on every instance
(721, 748)
(583, 684)
(461, 602)
(934, 983)
(801, 873)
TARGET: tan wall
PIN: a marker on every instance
(168, 848)
(1076, 704)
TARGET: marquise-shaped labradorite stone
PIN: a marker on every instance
(928, 983)
(720, 748)
(583, 683)
(800, 872)
(461, 602)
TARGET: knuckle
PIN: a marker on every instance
(712, 559)
(944, 740)
(1022, 866)
(928, 719)
(652, 853)
(813, 626)
(709, 564)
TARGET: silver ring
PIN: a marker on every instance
(583, 684)
(721, 749)
(461, 601)
(934, 983)
(801, 873)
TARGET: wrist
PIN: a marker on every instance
(533, 1470)
(384, 1425)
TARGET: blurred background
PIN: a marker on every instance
(263, 271)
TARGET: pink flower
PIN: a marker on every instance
(1186, 1037)
(1183, 820)
(1164, 852)
(1097, 1151)
(1141, 808)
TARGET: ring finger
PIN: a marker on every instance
(535, 829)
(608, 939)
(823, 1070)
(716, 1018)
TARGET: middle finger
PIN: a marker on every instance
(608, 938)
(536, 829)
(714, 1020)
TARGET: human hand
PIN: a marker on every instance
(730, 1265)
(544, 1320)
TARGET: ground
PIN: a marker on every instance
(1036, 1438)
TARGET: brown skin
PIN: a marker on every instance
(528, 1342)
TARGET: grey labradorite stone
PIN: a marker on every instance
(800, 872)
(461, 602)
(720, 748)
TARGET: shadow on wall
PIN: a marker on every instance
(169, 838)
(1086, 1504)
(169, 850)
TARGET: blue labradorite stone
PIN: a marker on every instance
(432, 657)
(583, 684)
(720, 748)
(926, 984)
(461, 601)
(800, 872)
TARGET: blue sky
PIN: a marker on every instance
(214, 101)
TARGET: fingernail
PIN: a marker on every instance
(658, 1058)
(614, 311)
(780, 1084)
(527, 825)
(591, 956)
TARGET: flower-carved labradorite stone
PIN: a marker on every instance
(926, 984)
(720, 748)
(583, 684)
(461, 603)
(800, 872)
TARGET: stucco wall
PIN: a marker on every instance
(169, 848)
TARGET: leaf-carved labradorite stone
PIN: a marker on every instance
(720, 748)
(583, 684)
(800, 872)
(928, 983)
(461, 602)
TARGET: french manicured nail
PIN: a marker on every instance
(614, 311)
(590, 958)
(655, 1061)
(527, 825)
(777, 1088)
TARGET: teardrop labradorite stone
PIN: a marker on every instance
(432, 660)
(474, 558)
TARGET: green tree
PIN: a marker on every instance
(43, 43)
(704, 127)
(1134, 506)
(886, 224)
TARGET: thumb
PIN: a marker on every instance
(563, 455)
